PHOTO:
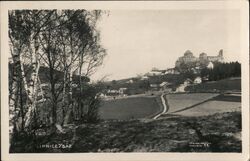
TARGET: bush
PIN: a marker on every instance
(86, 103)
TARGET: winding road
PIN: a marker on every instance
(165, 108)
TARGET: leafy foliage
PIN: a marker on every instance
(52, 51)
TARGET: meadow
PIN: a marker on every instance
(129, 127)
(130, 108)
(180, 101)
(211, 107)
(196, 104)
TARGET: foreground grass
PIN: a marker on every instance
(215, 133)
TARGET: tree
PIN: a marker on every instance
(63, 41)
(222, 71)
(84, 51)
(20, 34)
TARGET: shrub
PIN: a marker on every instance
(86, 103)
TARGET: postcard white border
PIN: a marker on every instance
(126, 5)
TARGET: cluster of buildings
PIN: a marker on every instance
(114, 93)
(163, 86)
(202, 59)
(158, 72)
(197, 63)
(188, 58)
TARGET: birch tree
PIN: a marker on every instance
(24, 28)
(62, 41)
(90, 54)
(19, 32)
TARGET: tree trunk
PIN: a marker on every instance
(70, 107)
(80, 84)
(13, 104)
(70, 101)
(33, 83)
(24, 78)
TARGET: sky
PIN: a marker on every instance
(138, 40)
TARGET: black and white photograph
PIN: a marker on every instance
(109, 80)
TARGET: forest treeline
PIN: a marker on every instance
(222, 71)
(65, 46)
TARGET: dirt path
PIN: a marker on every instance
(165, 107)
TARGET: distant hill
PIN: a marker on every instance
(138, 85)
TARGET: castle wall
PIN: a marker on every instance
(189, 58)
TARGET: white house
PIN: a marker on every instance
(154, 73)
(197, 80)
(122, 90)
(172, 71)
(210, 65)
(182, 87)
(187, 81)
(164, 86)
(130, 81)
(144, 77)
(154, 85)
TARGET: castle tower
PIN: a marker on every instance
(221, 53)
(220, 56)
(188, 53)
(203, 56)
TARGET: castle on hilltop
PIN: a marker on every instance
(202, 59)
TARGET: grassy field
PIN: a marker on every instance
(213, 125)
(221, 85)
(221, 132)
(129, 108)
(210, 120)
(211, 107)
(197, 104)
(180, 101)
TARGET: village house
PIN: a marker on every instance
(164, 86)
(172, 71)
(154, 86)
(187, 81)
(144, 78)
(113, 92)
(130, 81)
(197, 80)
(155, 72)
(210, 65)
(182, 87)
(122, 91)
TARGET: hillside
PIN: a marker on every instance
(137, 86)
(181, 134)
(229, 84)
